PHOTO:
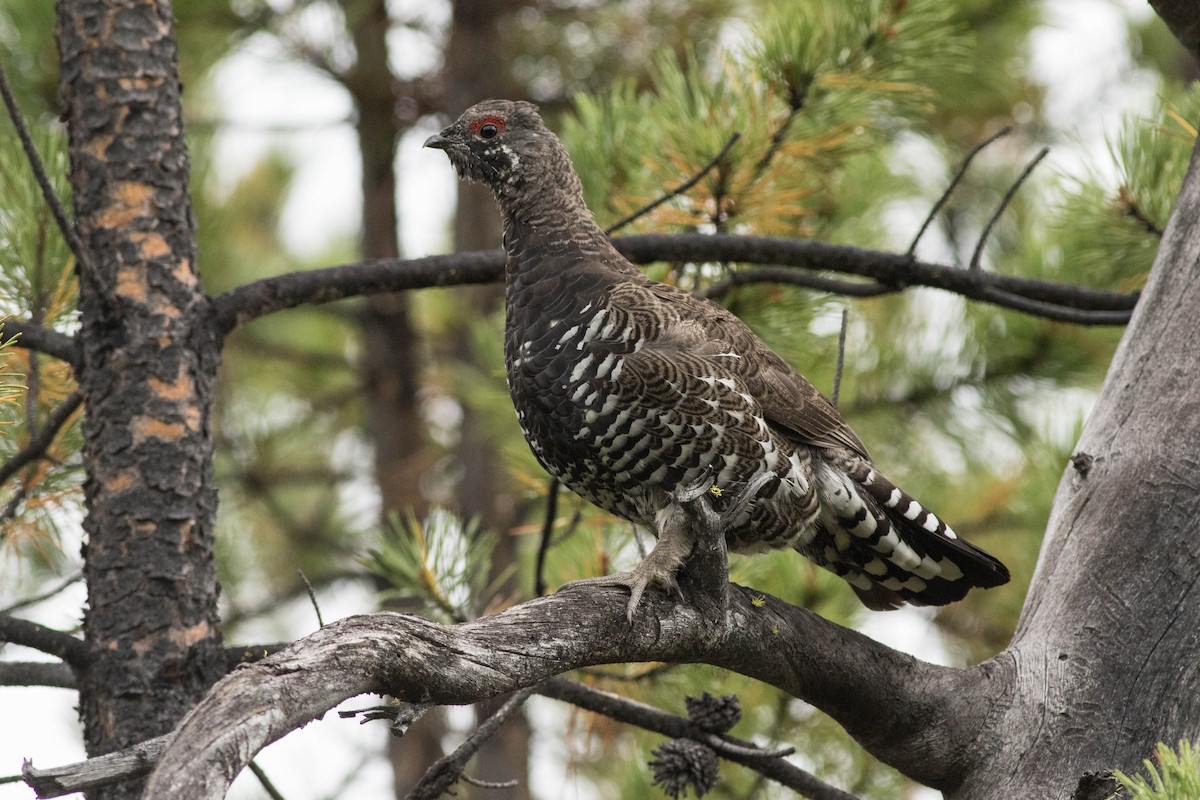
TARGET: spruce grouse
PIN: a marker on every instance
(633, 392)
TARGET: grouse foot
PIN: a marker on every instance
(688, 518)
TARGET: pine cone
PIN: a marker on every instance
(714, 714)
(683, 763)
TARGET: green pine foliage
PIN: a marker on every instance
(1175, 777)
(37, 284)
(12, 387)
(441, 564)
(1109, 224)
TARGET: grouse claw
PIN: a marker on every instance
(647, 573)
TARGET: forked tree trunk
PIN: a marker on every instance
(1106, 658)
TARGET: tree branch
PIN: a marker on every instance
(39, 172)
(793, 277)
(46, 595)
(958, 176)
(854, 679)
(250, 301)
(36, 673)
(892, 269)
(446, 771)
(48, 640)
(43, 340)
(539, 577)
(977, 255)
(41, 441)
(654, 719)
(678, 190)
(95, 772)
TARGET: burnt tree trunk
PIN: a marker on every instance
(148, 365)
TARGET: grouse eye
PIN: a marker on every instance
(488, 130)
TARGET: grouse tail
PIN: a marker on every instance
(897, 550)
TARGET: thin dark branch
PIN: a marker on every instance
(33, 386)
(1008, 196)
(890, 269)
(796, 104)
(265, 782)
(41, 441)
(9, 512)
(312, 596)
(250, 301)
(237, 616)
(447, 771)
(36, 673)
(1134, 210)
(539, 576)
(482, 784)
(792, 277)
(39, 172)
(663, 722)
(678, 190)
(1053, 311)
(57, 643)
(841, 358)
(43, 340)
(958, 176)
(46, 595)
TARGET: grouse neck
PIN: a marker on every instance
(550, 228)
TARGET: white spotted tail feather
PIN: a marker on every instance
(890, 548)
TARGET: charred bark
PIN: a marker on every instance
(147, 363)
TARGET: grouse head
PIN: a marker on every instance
(505, 145)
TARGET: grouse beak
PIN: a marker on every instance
(438, 142)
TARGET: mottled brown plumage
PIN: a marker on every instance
(633, 393)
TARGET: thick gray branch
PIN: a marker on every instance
(95, 772)
(892, 702)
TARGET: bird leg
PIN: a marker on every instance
(685, 520)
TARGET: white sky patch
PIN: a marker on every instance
(1081, 56)
(266, 101)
